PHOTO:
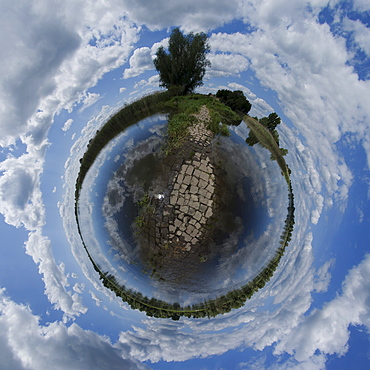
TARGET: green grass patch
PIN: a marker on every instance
(145, 207)
(267, 140)
(184, 108)
(177, 130)
(181, 108)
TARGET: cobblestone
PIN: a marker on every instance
(189, 202)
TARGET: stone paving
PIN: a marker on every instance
(193, 191)
(178, 230)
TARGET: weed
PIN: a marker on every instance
(144, 209)
(203, 258)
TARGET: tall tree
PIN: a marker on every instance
(236, 100)
(270, 123)
(184, 65)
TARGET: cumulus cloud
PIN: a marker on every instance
(62, 55)
(191, 15)
(152, 81)
(361, 5)
(89, 99)
(361, 34)
(50, 67)
(248, 93)
(54, 277)
(249, 326)
(33, 59)
(140, 61)
(326, 329)
(28, 345)
(95, 298)
(323, 276)
(20, 196)
(67, 125)
(226, 65)
(311, 80)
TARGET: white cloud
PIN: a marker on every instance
(317, 362)
(28, 345)
(54, 277)
(20, 196)
(326, 330)
(140, 62)
(78, 288)
(95, 298)
(89, 99)
(226, 65)
(152, 81)
(361, 5)
(361, 34)
(122, 89)
(246, 91)
(67, 125)
(191, 15)
(54, 63)
(323, 276)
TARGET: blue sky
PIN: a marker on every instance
(67, 70)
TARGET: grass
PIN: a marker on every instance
(186, 105)
(177, 130)
(184, 108)
(267, 140)
(144, 208)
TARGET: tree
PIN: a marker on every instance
(236, 100)
(270, 123)
(184, 65)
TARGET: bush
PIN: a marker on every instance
(236, 100)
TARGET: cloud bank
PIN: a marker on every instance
(311, 68)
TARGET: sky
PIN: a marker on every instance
(68, 66)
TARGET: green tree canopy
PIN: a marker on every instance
(270, 123)
(236, 100)
(184, 65)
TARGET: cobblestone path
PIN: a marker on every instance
(178, 231)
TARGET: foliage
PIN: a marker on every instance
(178, 123)
(130, 114)
(211, 308)
(261, 135)
(145, 207)
(219, 113)
(236, 100)
(270, 123)
(224, 130)
(184, 65)
(182, 116)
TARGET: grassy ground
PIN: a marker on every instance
(184, 107)
(267, 140)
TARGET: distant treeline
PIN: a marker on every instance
(127, 116)
(223, 304)
(266, 135)
(236, 298)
